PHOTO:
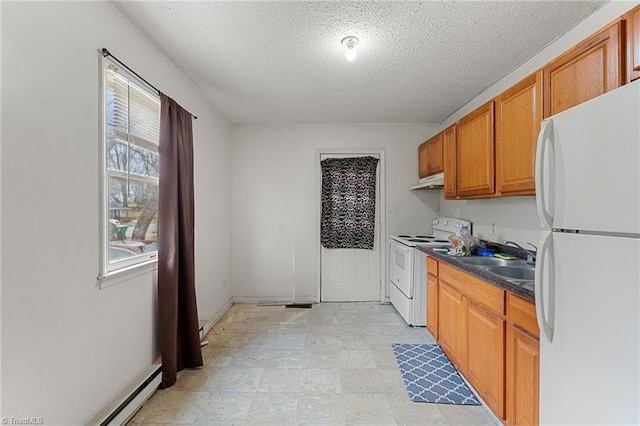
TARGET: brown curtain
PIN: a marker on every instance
(177, 310)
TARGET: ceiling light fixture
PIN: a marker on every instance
(350, 42)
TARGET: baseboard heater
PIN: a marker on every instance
(125, 411)
(128, 408)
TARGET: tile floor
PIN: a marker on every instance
(329, 365)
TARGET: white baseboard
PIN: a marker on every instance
(216, 316)
(285, 300)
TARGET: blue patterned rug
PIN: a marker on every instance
(430, 377)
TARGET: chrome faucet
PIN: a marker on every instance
(531, 255)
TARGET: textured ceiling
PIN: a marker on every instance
(282, 62)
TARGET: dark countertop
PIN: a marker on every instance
(525, 291)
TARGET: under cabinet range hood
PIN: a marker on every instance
(430, 182)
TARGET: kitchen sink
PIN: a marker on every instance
(491, 261)
(513, 272)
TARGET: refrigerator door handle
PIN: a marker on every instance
(545, 133)
(544, 321)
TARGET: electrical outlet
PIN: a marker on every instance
(494, 228)
(392, 211)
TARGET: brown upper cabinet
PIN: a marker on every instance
(430, 157)
(449, 142)
(491, 151)
(590, 69)
(423, 155)
(632, 21)
(518, 116)
(474, 153)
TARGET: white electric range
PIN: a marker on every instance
(408, 268)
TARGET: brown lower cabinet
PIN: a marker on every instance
(452, 325)
(432, 297)
(491, 336)
(485, 369)
(523, 362)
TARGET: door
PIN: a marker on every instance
(587, 165)
(354, 275)
(587, 296)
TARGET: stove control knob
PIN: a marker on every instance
(435, 221)
(445, 223)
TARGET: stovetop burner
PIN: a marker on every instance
(421, 240)
(443, 227)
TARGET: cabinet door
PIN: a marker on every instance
(523, 369)
(485, 367)
(434, 155)
(449, 160)
(430, 157)
(423, 160)
(432, 305)
(633, 44)
(588, 70)
(518, 116)
(474, 153)
(452, 325)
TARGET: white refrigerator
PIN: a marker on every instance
(587, 286)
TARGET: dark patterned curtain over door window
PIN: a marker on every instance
(348, 202)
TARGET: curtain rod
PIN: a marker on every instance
(106, 53)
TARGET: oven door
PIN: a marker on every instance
(401, 268)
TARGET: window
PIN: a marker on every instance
(129, 184)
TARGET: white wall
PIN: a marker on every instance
(68, 347)
(516, 217)
(275, 191)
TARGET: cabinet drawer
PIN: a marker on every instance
(522, 313)
(432, 266)
(477, 290)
